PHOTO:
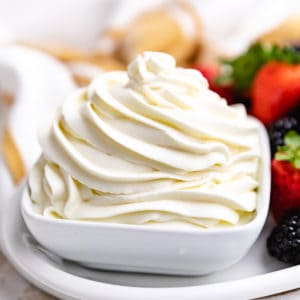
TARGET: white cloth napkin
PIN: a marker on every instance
(39, 84)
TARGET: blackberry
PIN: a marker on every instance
(279, 129)
(284, 241)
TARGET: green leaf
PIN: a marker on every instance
(223, 79)
(242, 69)
(296, 163)
(291, 150)
(284, 155)
(292, 139)
(283, 148)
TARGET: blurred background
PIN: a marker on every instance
(108, 33)
(94, 35)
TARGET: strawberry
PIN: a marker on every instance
(211, 72)
(285, 193)
(275, 91)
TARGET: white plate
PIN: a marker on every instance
(255, 276)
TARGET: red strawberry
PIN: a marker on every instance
(211, 72)
(285, 194)
(275, 91)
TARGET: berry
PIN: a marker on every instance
(211, 72)
(284, 241)
(275, 91)
(285, 192)
(278, 130)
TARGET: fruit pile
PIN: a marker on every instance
(267, 80)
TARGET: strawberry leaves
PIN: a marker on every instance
(291, 150)
(241, 70)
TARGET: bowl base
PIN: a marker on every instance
(142, 269)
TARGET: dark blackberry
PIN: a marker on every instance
(284, 241)
(279, 129)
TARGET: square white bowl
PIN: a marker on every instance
(153, 250)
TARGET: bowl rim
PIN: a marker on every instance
(258, 220)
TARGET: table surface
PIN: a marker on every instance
(14, 287)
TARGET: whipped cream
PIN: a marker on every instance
(150, 146)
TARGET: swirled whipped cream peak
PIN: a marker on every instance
(152, 146)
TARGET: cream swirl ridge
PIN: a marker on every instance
(150, 146)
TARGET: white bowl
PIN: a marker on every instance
(152, 250)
